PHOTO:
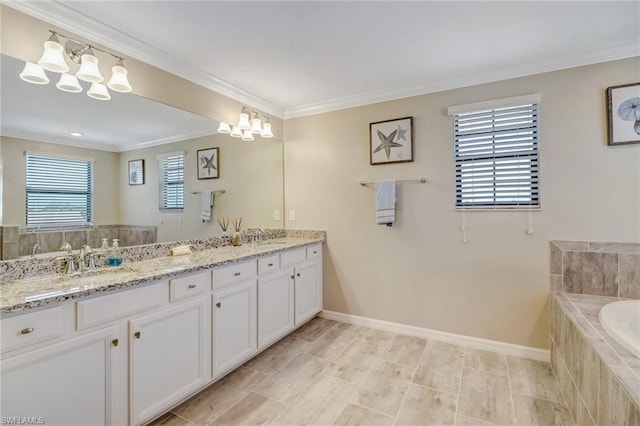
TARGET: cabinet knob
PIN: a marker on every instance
(315, 252)
(114, 342)
(26, 330)
(237, 274)
(270, 264)
(298, 274)
(137, 334)
(218, 305)
(293, 277)
(192, 286)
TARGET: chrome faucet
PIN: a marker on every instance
(84, 251)
(35, 248)
(66, 247)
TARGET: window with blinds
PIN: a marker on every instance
(59, 192)
(496, 157)
(171, 170)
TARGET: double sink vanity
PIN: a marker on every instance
(124, 345)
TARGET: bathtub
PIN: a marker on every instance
(621, 320)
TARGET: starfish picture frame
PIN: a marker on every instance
(623, 114)
(136, 172)
(209, 163)
(391, 141)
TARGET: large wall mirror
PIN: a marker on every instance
(39, 119)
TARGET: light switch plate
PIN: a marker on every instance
(292, 215)
(276, 215)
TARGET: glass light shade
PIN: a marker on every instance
(99, 91)
(243, 123)
(119, 81)
(266, 130)
(236, 132)
(69, 83)
(34, 73)
(224, 128)
(247, 136)
(89, 69)
(52, 58)
(256, 125)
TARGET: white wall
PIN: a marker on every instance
(419, 272)
(250, 173)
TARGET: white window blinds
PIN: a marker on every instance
(59, 192)
(171, 170)
(496, 157)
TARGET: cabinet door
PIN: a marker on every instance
(170, 356)
(74, 382)
(308, 290)
(235, 325)
(275, 307)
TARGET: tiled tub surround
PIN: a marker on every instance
(600, 379)
(16, 241)
(33, 283)
(597, 268)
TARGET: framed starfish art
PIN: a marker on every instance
(209, 163)
(391, 141)
(623, 114)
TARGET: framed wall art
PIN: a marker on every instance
(208, 163)
(623, 114)
(136, 172)
(391, 141)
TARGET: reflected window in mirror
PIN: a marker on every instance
(171, 171)
(59, 192)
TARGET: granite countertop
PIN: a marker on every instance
(34, 292)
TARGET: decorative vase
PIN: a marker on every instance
(236, 240)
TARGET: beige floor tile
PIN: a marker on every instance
(469, 421)
(320, 404)
(384, 387)
(423, 406)
(275, 357)
(313, 329)
(354, 415)
(405, 350)
(440, 367)
(170, 419)
(213, 401)
(489, 362)
(534, 411)
(485, 396)
(378, 338)
(334, 341)
(533, 378)
(292, 379)
(354, 363)
(253, 409)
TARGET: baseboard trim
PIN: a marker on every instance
(457, 339)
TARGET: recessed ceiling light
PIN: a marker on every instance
(76, 134)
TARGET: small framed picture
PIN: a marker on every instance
(208, 163)
(623, 114)
(136, 172)
(391, 141)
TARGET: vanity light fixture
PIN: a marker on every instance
(76, 134)
(53, 59)
(259, 124)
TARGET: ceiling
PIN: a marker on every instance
(294, 58)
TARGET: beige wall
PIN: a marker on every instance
(105, 185)
(250, 173)
(419, 272)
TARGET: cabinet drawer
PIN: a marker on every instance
(314, 251)
(237, 272)
(95, 311)
(268, 264)
(28, 329)
(189, 286)
(293, 256)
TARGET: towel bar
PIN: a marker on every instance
(220, 191)
(421, 180)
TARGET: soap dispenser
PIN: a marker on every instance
(115, 257)
(105, 245)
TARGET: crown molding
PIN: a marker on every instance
(612, 52)
(60, 140)
(62, 16)
(170, 139)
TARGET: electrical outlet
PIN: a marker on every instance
(276, 215)
(292, 215)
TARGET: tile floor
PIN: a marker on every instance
(330, 373)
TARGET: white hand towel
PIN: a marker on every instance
(206, 204)
(385, 202)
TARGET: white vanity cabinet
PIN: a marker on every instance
(307, 271)
(234, 315)
(73, 382)
(275, 306)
